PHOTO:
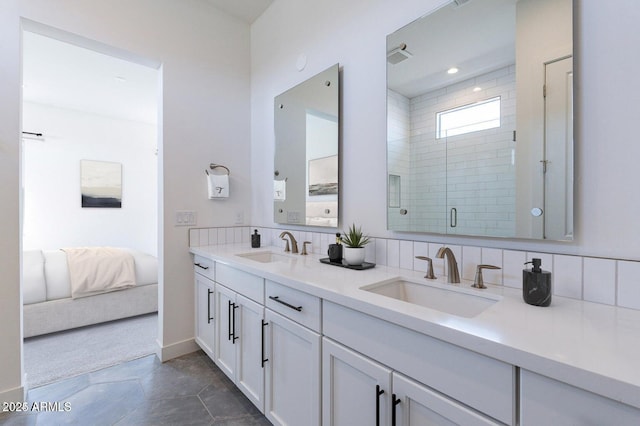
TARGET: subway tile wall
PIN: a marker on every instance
(607, 281)
(476, 169)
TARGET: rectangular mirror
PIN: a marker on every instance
(480, 120)
(305, 186)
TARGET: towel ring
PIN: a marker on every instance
(213, 166)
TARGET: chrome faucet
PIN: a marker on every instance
(453, 276)
(294, 243)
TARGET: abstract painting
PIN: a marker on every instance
(101, 184)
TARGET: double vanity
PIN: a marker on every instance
(310, 343)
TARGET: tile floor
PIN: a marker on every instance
(189, 390)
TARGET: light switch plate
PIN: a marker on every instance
(186, 218)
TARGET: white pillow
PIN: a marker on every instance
(56, 272)
(34, 288)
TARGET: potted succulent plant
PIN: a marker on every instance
(354, 241)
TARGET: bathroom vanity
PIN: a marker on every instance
(311, 344)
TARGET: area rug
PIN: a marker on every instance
(56, 356)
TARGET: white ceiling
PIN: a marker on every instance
(65, 75)
(246, 10)
(476, 37)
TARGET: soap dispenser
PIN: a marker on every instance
(255, 239)
(536, 284)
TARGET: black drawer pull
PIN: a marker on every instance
(200, 266)
(209, 317)
(378, 393)
(288, 305)
(264, 324)
(394, 402)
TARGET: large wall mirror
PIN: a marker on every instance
(305, 186)
(480, 120)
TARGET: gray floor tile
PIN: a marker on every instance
(135, 369)
(177, 411)
(58, 391)
(98, 404)
(190, 390)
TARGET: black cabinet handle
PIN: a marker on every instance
(200, 266)
(229, 322)
(288, 305)
(378, 393)
(233, 317)
(209, 317)
(264, 324)
(394, 402)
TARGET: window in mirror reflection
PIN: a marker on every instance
(482, 115)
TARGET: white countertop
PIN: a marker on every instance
(592, 346)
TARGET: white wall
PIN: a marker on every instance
(53, 217)
(607, 206)
(205, 118)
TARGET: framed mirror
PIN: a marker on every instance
(305, 186)
(480, 120)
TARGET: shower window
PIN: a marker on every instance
(469, 118)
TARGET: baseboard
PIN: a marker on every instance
(165, 353)
(13, 395)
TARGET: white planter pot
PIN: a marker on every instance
(353, 255)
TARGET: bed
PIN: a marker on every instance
(51, 303)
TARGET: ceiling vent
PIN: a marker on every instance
(398, 54)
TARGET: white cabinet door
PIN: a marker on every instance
(226, 339)
(250, 349)
(205, 309)
(292, 391)
(355, 390)
(545, 401)
(416, 405)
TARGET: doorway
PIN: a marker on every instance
(86, 105)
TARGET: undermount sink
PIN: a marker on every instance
(441, 297)
(265, 257)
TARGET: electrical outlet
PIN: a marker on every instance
(186, 218)
(239, 218)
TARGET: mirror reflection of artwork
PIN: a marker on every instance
(323, 176)
(101, 184)
(306, 123)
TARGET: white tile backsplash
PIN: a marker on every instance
(599, 280)
(471, 258)
(393, 253)
(381, 251)
(567, 276)
(513, 264)
(629, 284)
(606, 281)
(406, 254)
(492, 257)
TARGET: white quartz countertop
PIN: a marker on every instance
(592, 346)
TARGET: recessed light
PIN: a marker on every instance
(477, 89)
(452, 70)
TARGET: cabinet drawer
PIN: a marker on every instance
(248, 285)
(478, 381)
(204, 266)
(301, 307)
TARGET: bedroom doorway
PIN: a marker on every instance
(90, 173)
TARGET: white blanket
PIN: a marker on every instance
(95, 270)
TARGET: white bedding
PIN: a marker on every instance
(95, 270)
